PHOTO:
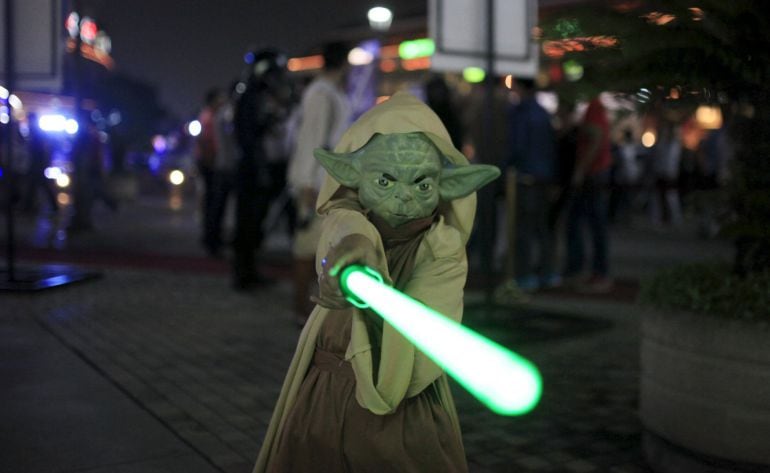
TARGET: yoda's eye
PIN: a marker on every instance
(384, 182)
(424, 186)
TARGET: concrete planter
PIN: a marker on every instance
(705, 389)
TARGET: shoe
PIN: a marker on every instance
(573, 280)
(243, 285)
(551, 281)
(597, 285)
(214, 251)
(261, 280)
(255, 281)
(528, 283)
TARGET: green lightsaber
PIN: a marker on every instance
(506, 382)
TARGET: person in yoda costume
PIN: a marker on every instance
(358, 397)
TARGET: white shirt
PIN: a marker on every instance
(325, 116)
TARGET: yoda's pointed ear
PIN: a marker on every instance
(460, 181)
(340, 166)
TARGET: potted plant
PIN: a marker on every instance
(705, 358)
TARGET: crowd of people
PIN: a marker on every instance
(366, 190)
(257, 143)
(575, 171)
(42, 170)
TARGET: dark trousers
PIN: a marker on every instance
(222, 185)
(587, 209)
(36, 180)
(251, 190)
(534, 236)
(207, 175)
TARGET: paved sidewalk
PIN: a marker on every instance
(207, 364)
(62, 413)
(160, 366)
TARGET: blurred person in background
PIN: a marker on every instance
(222, 172)
(279, 145)
(665, 205)
(325, 114)
(533, 155)
(205, 156)
(473, 118)
(97, 167)
(439, 99)
(626, 172)
(588, 202)
(713, 157)
(481, 122)
(566, 146)
(262, 105)
(39, 153)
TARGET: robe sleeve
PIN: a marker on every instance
(437, 280)
(339, 223)
(438, 283)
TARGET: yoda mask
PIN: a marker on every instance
(401, 177)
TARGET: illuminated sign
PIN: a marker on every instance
(473, 74)
(416, 48)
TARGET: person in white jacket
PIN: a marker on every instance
(325, 114)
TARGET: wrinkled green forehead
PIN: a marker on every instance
(400, 148)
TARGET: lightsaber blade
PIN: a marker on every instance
(505, 382)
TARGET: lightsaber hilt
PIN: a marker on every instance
(504, 381)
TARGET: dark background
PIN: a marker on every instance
(185, 46)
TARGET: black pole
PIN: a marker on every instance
(10, 78)
(38, 279)
(486, 195)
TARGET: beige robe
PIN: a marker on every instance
(437, 280)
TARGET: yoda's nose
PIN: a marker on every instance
(403, 195)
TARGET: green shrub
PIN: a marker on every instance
(710, 288)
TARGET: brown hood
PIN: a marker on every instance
(404, 113)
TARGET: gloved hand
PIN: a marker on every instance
(351, 249)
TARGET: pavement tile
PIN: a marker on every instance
(172, 464)
(533, 463)
(629, 468)
(486, 460)
(580, 466)
(558, 456)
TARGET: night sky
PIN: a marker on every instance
(184, 47)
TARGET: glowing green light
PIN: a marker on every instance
(507, 383)
(416, 48)
(573, 70)
(474, 74)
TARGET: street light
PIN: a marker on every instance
(194, 128)
(380, 18)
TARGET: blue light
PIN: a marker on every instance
(159, 144)
(372, 46)
(56, 123)
(154, 163)
(248, 58)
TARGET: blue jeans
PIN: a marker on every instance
(588, 209)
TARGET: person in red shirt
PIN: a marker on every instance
(588, 207)
(205, 155)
